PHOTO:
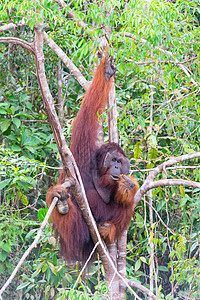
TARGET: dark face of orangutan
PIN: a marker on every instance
(115, 164)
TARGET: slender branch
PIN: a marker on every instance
(60, 93)
(173, 182)
(161, 183)
(152, 62)
(71, 14)
(159, 217)
(33, 245)
(185, 70)
(112, 116)
(20, 42)
(61, 54)
(170, 162)
(85, 265)
(7, 27)
(193, 280)
(142, 288)
(168, 168)
(149, 184)
(69, 64)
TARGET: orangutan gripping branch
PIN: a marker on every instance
(109, 192)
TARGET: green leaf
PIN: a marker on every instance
(23, 138)
(142, 122)
(31, 233)
(39, 267)
(139, 220)
(16, 148)
(153, 153)
(52, 267)
(3, 111)
(6, 248)
(183, 201)
(182, 191)
(137, 264)
(42, 213)
(152, 141)
(31, 141)
(53, 147)
(143, 259)
(31, 149)
(137, 150)
(30, 287)
(23, 285)
(12, 109)
(5, 124)
(12, 137)
(194, 246)
(17, 122)
(5, 183)
(163, 268)
(23, 198)
(3, 255)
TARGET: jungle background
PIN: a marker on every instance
(155, 45)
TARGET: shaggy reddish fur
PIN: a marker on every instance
(112, 218)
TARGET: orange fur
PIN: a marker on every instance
(124, 197)
(125, 191)
(86, 124)
(70, 227)
(110, 200)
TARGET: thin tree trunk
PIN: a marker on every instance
(149, 196)
(60, 96)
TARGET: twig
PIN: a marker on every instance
(168, 53)
(33, 245)
(142, 288)
(85, 265)
(20, 42)
(169, 168)
(71, 14)
(149, 184)
(193, 280)
(67, 61)
(159, 217)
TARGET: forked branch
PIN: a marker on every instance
(150, 183)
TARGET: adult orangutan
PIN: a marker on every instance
(103, 169)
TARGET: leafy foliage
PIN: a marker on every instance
(156, 49)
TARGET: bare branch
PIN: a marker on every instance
(112, 116)
(7, 27)
(168, 168)
(33, 245)
(142, 288)
(185, 70)
(167, 182)
(169, 163)
(30, 46)
(71, 14)
(60, 93)
(149, 184)
(69, 64)
(84, 267)
(11, 26)
(20, 42)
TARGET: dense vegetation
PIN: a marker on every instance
(156, 50)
